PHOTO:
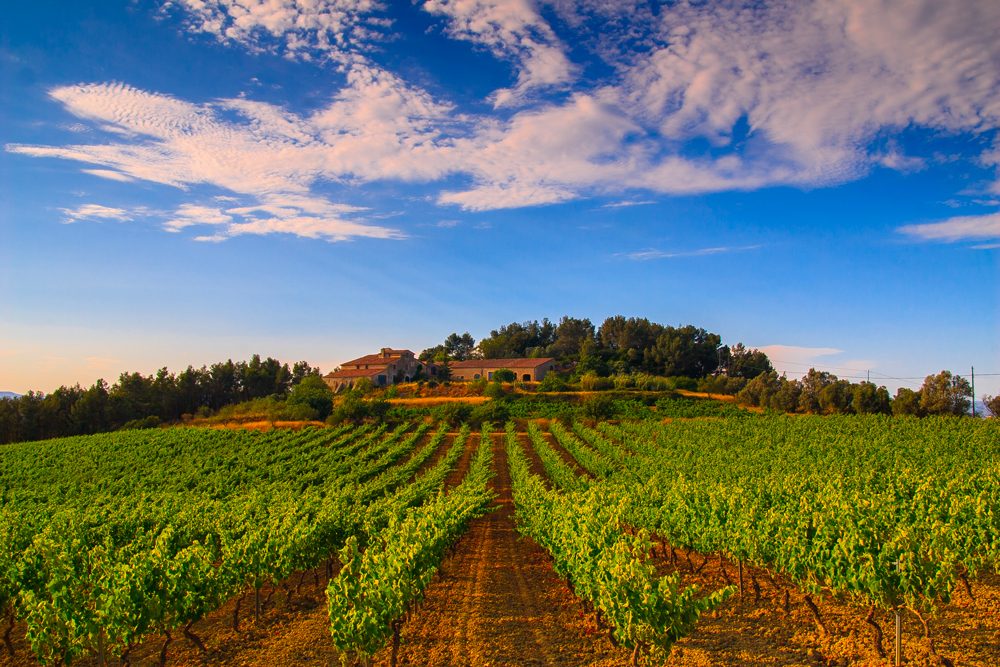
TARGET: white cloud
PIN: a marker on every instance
(448, 223)
(510, 29)
(107, 173)
(959, 228)
(301, 28)
(653, 253)
(92, 211)
(619, 204)
(816, 81)
(787, 93)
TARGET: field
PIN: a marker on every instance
(744, 540)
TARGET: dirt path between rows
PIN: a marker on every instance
(497, 602)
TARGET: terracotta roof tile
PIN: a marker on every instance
(502, 363)
(375, 359)
(354, 373)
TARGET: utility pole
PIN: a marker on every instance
(869, 375)
(973, 391)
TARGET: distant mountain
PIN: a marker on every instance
(8, 394)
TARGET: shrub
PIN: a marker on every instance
(592, 382)
(494, 390)
(490, 411)
(624, 381)
(599, 407)
(151, 421)
(354, 408)
(504, 375)
(300, 412)
(313, 393)
(452, 413)
(685, 383)
(551, 383)
(477, 386)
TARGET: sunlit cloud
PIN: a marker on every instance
(95, 211)
(109, 174)
(652, 253)
(961, 228)
(101, 363)
(804, 94)
(619, 204)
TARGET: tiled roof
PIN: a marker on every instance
(354, 373)
(375, 359)
(501, 363)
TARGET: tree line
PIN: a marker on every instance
(163, 396)
(619, 346)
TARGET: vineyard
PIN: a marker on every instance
(745, 539)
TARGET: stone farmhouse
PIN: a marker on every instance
(385, 368)
(527, 370)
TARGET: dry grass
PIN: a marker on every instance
(431, 401)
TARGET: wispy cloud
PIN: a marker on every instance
(511, 29)
(101, 363)
(448, 223)
(107, 173)
(619, 204)
(96, 211)
(960, 228)
(334, 29)
(653, 253)
(796, 93)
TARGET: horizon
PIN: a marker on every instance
(186, 182)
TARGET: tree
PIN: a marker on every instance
(314, 392)
(301, 370)
(739, 362)
(619, 334)
(444, 367)
(945, 394)
(759, 390)
(869, 400)
(836, 397)
(461, 347)
(686, 351)
(813, 384)
(907, 402)
(786, 398)
(514, 340)
(571, 334)
(992, 404)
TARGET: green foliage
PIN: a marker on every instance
(490, 412)
(907, 402)
(992, 404)
(721, 385)
(599, 407)
(685, 408)
(504, 375)
(375, 588)
(363, 386)
(148, 422)
(452, 413)
(581, 530)
(163, 526)
(945, 394)
(313, 392)
(552, 383)
(355, 408)
(592, 382)
(871, 400)
(494, 390)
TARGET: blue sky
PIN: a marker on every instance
(194, 180)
